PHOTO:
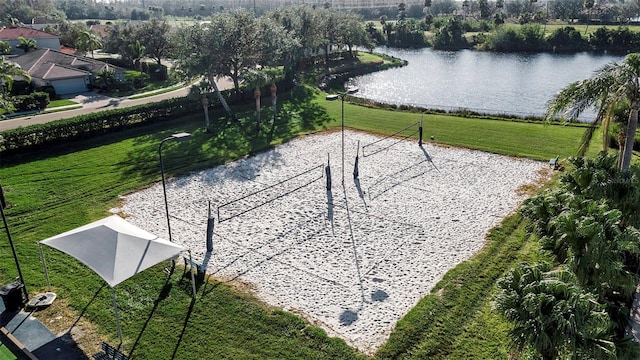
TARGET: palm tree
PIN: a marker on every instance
(588, 4)
(551, 315)
(89, 41)
(610, 87)
(137, 52)
(26, 44)
(5, 48)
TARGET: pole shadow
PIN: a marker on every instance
(426, 154)
(330, 210)
(348, 316)
(184, 328)
(356, 181)
(164, 293)
(86, 307)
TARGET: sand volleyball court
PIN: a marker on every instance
(353, 259)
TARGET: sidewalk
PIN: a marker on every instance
(37, 338)
(92, 101)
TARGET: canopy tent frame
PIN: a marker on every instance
(116, 227)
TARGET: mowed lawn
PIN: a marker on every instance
(63, 187)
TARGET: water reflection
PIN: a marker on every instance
(519, 84)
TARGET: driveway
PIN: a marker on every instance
(94, 102)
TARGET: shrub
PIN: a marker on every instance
(31, 102)
(21, 87)
(49, 89)
(157, 72)
(136, 78)
(567, 39)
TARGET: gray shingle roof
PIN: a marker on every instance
(47, 62)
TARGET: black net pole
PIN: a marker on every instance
(355, 166)
(327, 171)
(210, 223)
(420, 130)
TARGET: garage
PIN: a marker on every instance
(69, 86)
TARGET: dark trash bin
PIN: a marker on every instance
(12, 296)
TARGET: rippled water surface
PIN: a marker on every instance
(519, 84)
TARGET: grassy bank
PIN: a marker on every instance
(532, 140)
(456, 320)
(71, 185)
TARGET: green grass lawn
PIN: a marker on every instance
(5, 353)
(156, 92)
(67, 186)
(61, 102)
(538, 141)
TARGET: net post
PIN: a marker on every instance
(210, 223)
(420, 131)
(327, 171)
(355, 167)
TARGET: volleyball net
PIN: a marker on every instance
(388, 142)
(269, 194)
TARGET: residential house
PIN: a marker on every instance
(43, 40)
(66, 73)
(100, 30)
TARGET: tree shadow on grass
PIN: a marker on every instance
(228, 140)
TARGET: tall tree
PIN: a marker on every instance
(231, 45)
(351, 33)
(614, 84)
(8, 71)
(485, 9)
(327, 22)
(154, 36)
(119, 37)
(88, 41)
(588, 4)
(68, 32)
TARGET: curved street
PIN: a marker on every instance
(93, 102)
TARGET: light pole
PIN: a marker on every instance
(175, 137)
(342, 96)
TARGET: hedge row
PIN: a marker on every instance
(34, 137)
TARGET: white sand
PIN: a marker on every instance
(354, 268)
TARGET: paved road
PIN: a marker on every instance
(93, 102)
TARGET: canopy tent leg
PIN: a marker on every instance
(44, 266)
(115, 310)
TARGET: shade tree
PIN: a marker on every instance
(231, 45)
(154, 36)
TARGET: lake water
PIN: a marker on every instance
(518, 84)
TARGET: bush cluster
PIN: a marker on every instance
(531, 38)
(589, 225)
(30, 102)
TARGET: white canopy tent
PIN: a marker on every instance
(114, 248)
